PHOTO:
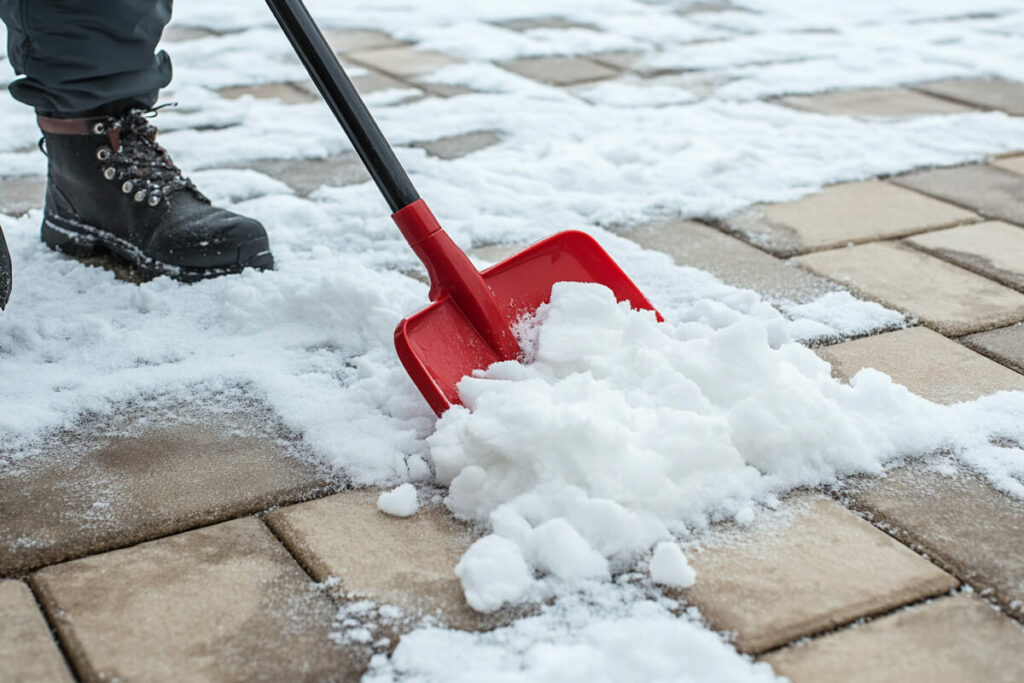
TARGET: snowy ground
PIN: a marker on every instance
(313, 338)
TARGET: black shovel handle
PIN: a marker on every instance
(341, 96)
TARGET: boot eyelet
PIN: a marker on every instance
(140, 196)
(127, 187)
(103, 153)
(99, 129)
(154, 199)
(109, 172)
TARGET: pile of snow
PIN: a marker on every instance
(624, 432)
(399, 502)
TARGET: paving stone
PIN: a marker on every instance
(83, 494)
(21, 194)
(496, 252)
(621, 59)
(222, 603)
(735, 262)
(1013, 164)
(308, 175)
(993, 249)
(944, 297)
(458, 146)
(822, 567)
(27, 650)
(531, 23)
(354, 40)
(988, 93)
(875, 102)
(403, 61)
(844, 214)
(366, 83)
(444, 89)
(960, 521)
(560, 70)
(180, 34)
(408, 562)
(949, 640)
(992, 192)
(289, 93)
(925, 362)
(1006, 345)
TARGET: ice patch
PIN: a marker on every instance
(399, 502)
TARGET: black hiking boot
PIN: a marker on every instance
(5, 271)
(111, 187)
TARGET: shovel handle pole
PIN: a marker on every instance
(341, 96)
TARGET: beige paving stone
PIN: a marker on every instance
(844, 214)
(959, 520)
(460, 145)
(532, 23)
(943, 296)
(21, 194)
(444, 89)
(85, 493)
(222, 603)
(925, 362)
(28, 652)
(354, 40)
(308, 175)
(289, 93)
(993, 249)
(735, 262)
(822, 567)
(408, 562)
(988, 93)
(1005, 345)
(949, 640)
(992, 192)
(560, 70)
(367, 81)
(403, 61)
(887, 102)
(1014, 164)
(621, 59)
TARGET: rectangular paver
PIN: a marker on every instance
(354, 40)
(1013, 164)
(993, 249)
(21, 194)
(460, 145)
(888, 102)
(945, 297)
(987, 93)
(403, 61)
(308, 175)
(28, 652)
(222, 603)
(844, 214)
(925, 362)
(822, 567)
(949, 640)
(560, 70)
(289, 93)
(992, 192)
(1005, 345)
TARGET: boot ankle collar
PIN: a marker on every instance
(93, 125)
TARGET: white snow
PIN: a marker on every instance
(399, 501)
(668, 566)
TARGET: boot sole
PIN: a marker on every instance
(81, 240)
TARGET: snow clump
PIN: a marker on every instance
(399, 502)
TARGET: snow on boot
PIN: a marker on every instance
(111, 187)
(5, 271)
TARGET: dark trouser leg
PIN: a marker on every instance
(81, 57)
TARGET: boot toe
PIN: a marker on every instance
(215, 239)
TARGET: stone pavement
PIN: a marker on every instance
(210, 549)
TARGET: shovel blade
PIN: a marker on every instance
(438, 346)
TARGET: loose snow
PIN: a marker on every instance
(399, 501)
(669, 567)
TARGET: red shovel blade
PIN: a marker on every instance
(438, 346)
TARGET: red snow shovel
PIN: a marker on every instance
(469, 324)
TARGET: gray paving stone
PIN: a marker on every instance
(623, 60)
(1005, 345)
(222, 603)
(818, 568)
(1013, 164)
(28, 652)
(925, 362)
(988, 93)
(180, 34)
(308, 175)
(289, 93)
(531, 23)
(84, 494)
(366, 83)
(21, 194)
(444, 89)
(992, 192)
(993, 249)
(403, 61)
(354, 40)
(872, 102)
(460, 145)
(949, 640)
(844, 214)
(735, 262)
(958, 520)
(560, 70)
(948, 299)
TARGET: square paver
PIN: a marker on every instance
(111, 492)
(408, 562)
(925, 362)
(943, 296)
(289, 93)
(403, 61)
(993, 249)
(460, 145)
(28, 651)
(560, 70)
(354, 40)
(308, 175)
(950, 640)
(822, 567)
(1005, 345)
(21, 194)
(992, 192)
(844, 214)
(735, 262)
(987, 93)
(959, 520)
(887, 102)
(222, 603)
